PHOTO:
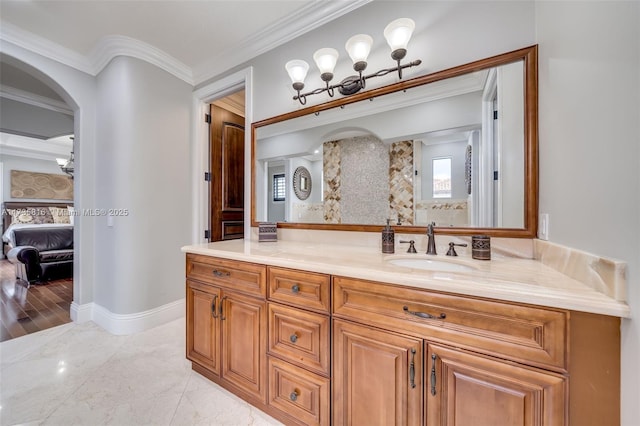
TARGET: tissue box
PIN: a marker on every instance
(267, 231)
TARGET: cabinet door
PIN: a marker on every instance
(243, 321)
(203, 338)
(377, 377)
(468, 389)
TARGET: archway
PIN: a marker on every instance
(69, 85)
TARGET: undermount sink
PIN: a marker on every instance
(427, 264)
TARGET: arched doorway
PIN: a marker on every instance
(38, 117)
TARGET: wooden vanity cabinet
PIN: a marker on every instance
(377, 377)
(299, 341)
(226, 328)
(315, 349)
(203, 327)
(485, 362)
(466, 388)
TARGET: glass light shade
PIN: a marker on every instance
(297, 70)
(359, 47)
(326, 59)
(61, 161)
(398, 33)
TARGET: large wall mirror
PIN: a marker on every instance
(456, 147)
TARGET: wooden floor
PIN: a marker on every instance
(27, 310)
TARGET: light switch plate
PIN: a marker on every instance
(543, 226)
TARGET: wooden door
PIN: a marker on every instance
(466, 389)
(227, 175)
(203, 329)
(244, 339)
(377, 377)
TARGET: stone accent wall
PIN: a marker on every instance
(364, 180)
(443, 213)
(401, 182)
(331, 178)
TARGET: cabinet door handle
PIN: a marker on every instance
(423, 314)
(221, 273)
(412, 368)
(222, 317)
(213, 306)
(294, 395)
(295, 288)
(433, 374)
(293, 337)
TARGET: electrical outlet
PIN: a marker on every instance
(543, 226)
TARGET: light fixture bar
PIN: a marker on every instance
(353, 84)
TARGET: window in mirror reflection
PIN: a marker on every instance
(442, 177)
(279, 187)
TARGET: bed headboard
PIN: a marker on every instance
(6, 218)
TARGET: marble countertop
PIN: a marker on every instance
(502, 278)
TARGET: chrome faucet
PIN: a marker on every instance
(431, 239)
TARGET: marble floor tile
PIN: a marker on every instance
(78, 374)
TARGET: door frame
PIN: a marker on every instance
(200, 147)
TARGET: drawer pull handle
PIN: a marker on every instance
(294, 395)
(412, 368)
(222, 317)
(213, 306)
(295, 288)
(221, 274)
(423, 314)
(433, 374)
(293, 338)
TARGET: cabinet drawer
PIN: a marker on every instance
(536, 336)
(299, 337)
(242, 276)
(307, 290)
(299, 393)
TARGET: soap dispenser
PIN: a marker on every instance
(388, 239)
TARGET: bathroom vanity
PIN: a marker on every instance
(319, 334)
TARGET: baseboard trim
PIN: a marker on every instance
(123, 324)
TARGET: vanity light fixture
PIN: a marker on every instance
(397, 33)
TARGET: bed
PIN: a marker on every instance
(32, 215)
(38, 239)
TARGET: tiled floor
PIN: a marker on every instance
(78, 374)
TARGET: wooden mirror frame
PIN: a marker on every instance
(529, 56)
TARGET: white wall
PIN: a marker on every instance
(143, 146)
(589, 69)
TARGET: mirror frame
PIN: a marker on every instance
(302, 192)
(529, 55)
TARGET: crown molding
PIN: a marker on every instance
(24, 146)
(111, 46)
(107, 48)
(29, 98)
(302, 21)
(44, 47)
